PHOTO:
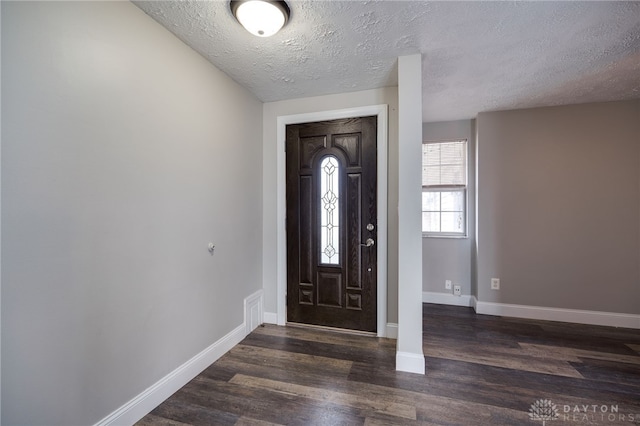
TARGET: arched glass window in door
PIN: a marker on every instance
(329, 211)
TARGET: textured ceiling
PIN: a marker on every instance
(477, 56)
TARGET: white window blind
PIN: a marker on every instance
(444, 164)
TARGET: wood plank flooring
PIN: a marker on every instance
(481, 370)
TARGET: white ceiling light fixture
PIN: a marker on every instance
(262, 18)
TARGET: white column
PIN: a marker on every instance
(409, 355)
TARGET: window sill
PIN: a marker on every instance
(455, 237)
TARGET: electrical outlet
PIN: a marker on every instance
(447, 284)
(495, 283)
(457, 290)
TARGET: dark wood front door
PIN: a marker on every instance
(331, 223)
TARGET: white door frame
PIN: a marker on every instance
(381, 244)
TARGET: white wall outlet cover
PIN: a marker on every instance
(495, 283)
(457, 290)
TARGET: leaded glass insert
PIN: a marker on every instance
(329, 211)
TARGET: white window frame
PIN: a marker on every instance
(452, 188)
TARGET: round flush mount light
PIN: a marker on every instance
(262, 18)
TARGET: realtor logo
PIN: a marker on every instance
(543, 409)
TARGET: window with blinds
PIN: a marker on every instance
(444, 188)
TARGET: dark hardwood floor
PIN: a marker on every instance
(481, 370)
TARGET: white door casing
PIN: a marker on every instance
(381, 244)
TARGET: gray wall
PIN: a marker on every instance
(450, 258)
(123, 154)
(559, 206)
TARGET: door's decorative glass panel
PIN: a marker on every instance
(329, 211)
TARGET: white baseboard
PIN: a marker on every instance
(270, 318)
(391, 330)
(447, 299)
(142, 404)
(610, 319)
(410, 362)
(145, 402)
